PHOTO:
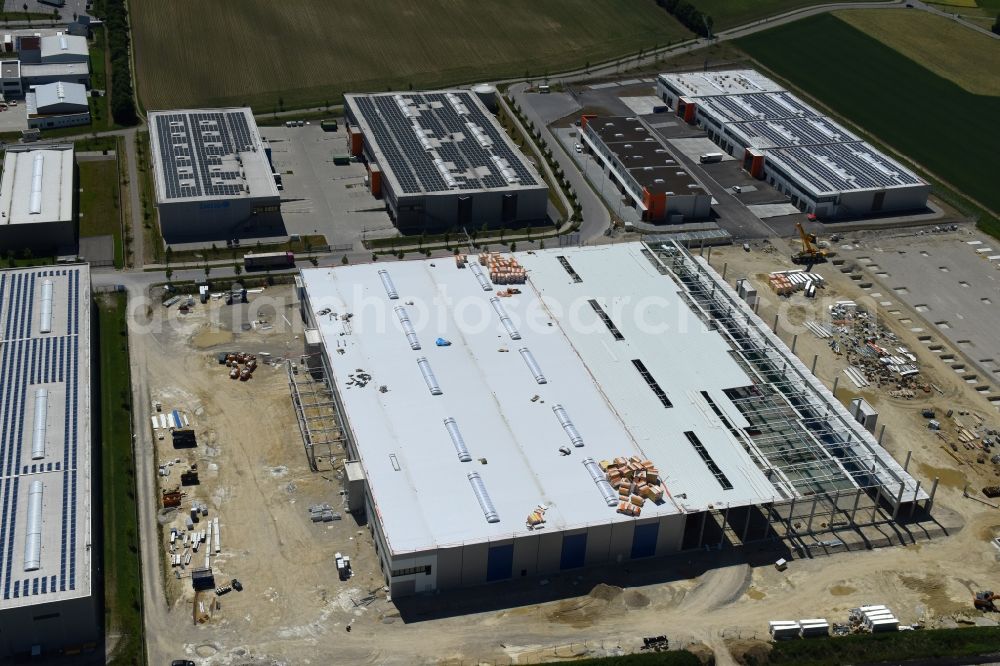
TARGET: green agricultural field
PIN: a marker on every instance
(300, 53)
(938, 125)
(947, 48)
(730, 13)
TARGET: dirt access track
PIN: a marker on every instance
(294, 610)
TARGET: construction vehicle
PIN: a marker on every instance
(810, 254)
(984, 601)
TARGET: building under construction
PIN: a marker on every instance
(620, 403)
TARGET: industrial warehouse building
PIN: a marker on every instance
(213, 175)
(58, 105)
(48, 601)
(824, 168)
(646, 171)
(481, 424)
(440, 161)
(36, 199)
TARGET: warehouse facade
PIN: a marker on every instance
(440, 161)
(213, 175)
(37, 209)
(48, 600)
(646, 171)
(492, 438)
(823, 167)
(58, 105)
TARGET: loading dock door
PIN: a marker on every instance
(644, 540)
(499, 562)
(574, 551)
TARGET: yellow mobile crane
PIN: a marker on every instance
(810, 254)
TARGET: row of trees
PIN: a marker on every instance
(690, 16)
(122, 98)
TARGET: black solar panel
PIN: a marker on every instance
(450, 143)
(845, 167)
(192, 148)
(793, 132)
(29, 359)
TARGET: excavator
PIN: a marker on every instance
(984, 601)
(810, 254)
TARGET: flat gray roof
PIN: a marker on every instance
(440, 141)
(209, 155)
(45, 436)
(29, 71)
(727, 82)
(419, 485)
(37, 185)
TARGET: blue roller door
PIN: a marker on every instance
(644, 540)
(499, 562)
(574, 551)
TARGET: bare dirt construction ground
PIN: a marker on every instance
(294, 610)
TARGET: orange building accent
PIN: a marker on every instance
(375, 180)
(356, 141)
(585, 118)
(656, 204)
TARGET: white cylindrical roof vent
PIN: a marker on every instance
(45, 325)
(425, 370)
(404, 321)
(457, 440)
(504, 319)
(607, 490)
(529, 358)
(33, 539)
(567, 424)
(41, 421)
(483, 280)
(479, 488)
(390, 288)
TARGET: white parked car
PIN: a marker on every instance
(578, 148)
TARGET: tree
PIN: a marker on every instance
(374, 256)
(314, 261)
(344, 260)
(208, 269)
(513, 246)
(541, 244)
(169, 272)
(281, 103)
(237, 268)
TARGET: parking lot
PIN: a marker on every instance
(950, 279)
(320, 197)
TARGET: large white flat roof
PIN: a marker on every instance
(728, 82)
(37, 185)
(419, 485)
(55, 365)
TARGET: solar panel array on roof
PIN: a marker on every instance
(29, 358)
(757, 106)
(440, 141)
(844, 166)
(192, 148)
(793, 132)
